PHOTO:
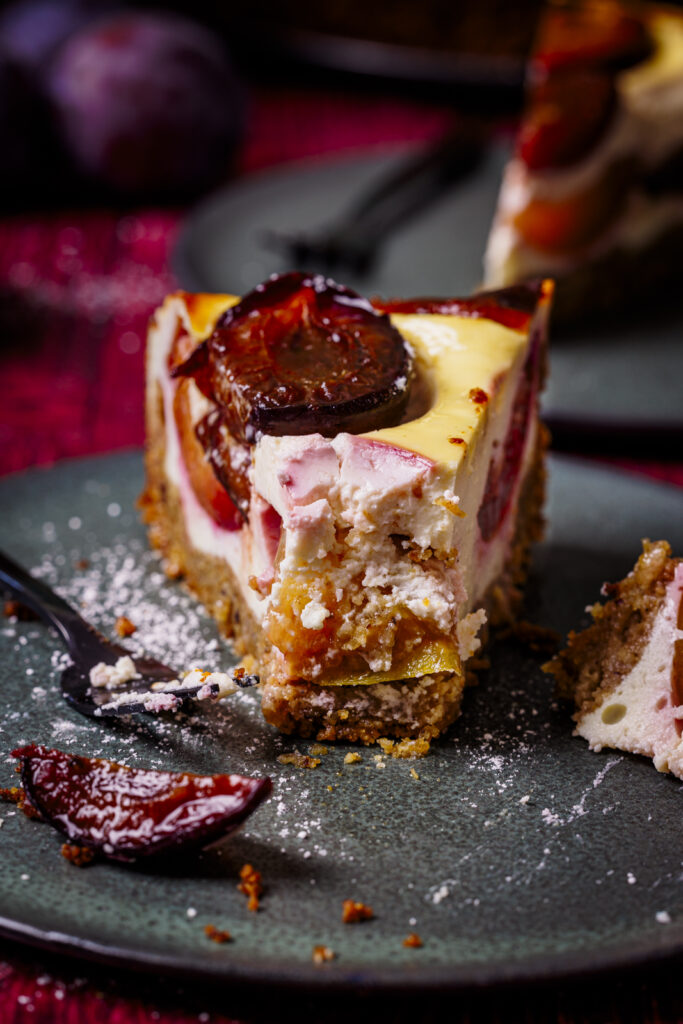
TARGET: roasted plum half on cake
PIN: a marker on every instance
(384, 462)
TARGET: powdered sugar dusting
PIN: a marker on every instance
(127, 579)
(509, 815)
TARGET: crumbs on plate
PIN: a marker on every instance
(218, 935)
(300, 760)
(251, 885)
(79, 856)
(323, 954)
(353, 912)
(124, 627)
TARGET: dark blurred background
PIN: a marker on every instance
(150, 101)
(117, 119)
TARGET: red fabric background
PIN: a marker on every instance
(77, 289)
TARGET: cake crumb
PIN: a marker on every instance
(318, 749)
(537, 638)
(111, 676)
(79, 856)
(451, 506)
(17, 610)
(407, 748)
(353, 757)
(219, 935)
(478, 396)
(250, 884)
(248, 666)
(300, 760)
(17, 795)
(414, 774)
(413, 941)
(124, 627)
(323, 954)
(353, 912)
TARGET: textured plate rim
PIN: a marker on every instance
(500, 973)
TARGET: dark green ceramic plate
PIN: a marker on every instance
(513, 851)
(624, 380)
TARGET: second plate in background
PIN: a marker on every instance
(625, 379)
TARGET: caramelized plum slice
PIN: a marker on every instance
(599, 33)
(299, 355)
(209, 490)
(567, 116)
(512, 307)
(503, 474)
(229, 459)
(578, 219)
(125, 813)
(677, 672)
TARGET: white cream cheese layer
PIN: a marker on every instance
(640, 715)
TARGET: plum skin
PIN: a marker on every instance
(148, 104)
(31, 31)
(126, 813)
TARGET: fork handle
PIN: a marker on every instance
(80, 638)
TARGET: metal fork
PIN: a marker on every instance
(88, 648)
(354, 239)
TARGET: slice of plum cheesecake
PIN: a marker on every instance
(351, 488)
(592, 194)
(624, 672)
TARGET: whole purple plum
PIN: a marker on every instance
(148, 104)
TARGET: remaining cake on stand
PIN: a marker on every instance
(350, 489)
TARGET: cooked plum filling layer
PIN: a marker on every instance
(504, 471)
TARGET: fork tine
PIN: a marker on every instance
(354, 239)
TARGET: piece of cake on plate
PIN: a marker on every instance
(625, 671)
(592, 195)
(350, 489)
